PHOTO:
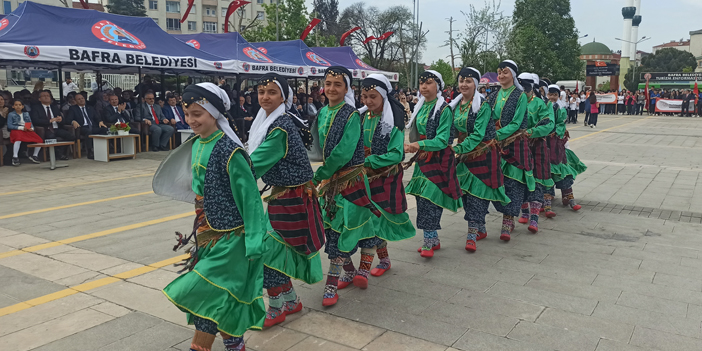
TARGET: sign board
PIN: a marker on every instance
(598, 70)
(672, 76)
(669, 105)
(607, 99)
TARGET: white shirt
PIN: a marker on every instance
(49, 114)
(620, 100)
(563, 97)
(67, 88)
(573, 103)
(176, 113)
(94, 86)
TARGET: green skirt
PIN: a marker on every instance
(520, 175)
(224, 287)
(472, 185)
(392, 227)
(574, 162)
(282, 257)
(352, 222)
(423, 187)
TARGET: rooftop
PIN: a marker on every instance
(595, 48)
(673, 44)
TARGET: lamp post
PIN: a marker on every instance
(636, 43)
(584, 36)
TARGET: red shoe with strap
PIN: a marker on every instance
(326, 302)
(437, 247)
(550, 214)
(377, 272)
(504, 237)
(523, 220)
(481, 236)
(360, 281)
(274, 318)
(471, 246)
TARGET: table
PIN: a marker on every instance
(184, 134)
(101, 147)
(52, 153)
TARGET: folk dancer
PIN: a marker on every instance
(342, 179)
(565, 165)
(296, 232)
(478, 170)
(509, 109)
(434, 182)
(383, 141)
(221, 292)
(540, 124)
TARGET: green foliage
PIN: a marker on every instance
(544, 39)
(446, 71)
(604, 86)
(127, 7)
(293, 18)
(482, 43)
(668, 60)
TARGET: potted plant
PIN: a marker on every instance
(120, 128)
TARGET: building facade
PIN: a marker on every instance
(696, 47)
(682, 45)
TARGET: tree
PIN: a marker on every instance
(446, 71)
(127, 7)
(668, 60)
(483, 42)
(328, 12)
(293, 18)
(544, 39)
(237, 24)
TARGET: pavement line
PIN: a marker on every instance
(604, 130)
(75, 184)
(89, 286)
(73, 205)
(601, 120)
(101, 233)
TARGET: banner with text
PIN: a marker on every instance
(607, 99)
(671, 106)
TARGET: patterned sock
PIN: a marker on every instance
(289, 296)
(275, 302)
(366, 262)
(535, 208)
(482, 229)
(202, 341)
(547, 202)
(431, 239)
(507, 224)
(234, 343)
(383, 256)
(349, 270)
(525, 210)
(472, 231)
(567, 195)
(570, 197)
(333, 277)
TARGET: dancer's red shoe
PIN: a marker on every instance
(576, 207)
(437, 247)
(523, 220)
(360, 281)
(277, 320)
(342, 284)
(481, 236)
(427, 253)
(504, 237)
(297, 308)
(550, 214)
(330, 301)
(377, 272)
(470, 246)
(534, 229)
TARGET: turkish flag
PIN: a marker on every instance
(187, 11)
(308, 29)
(648, 97)
(697, 93)
(343, 36)
(385, 35)
(369, 39)
(230, 11)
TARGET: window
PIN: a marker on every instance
(259, 1)
(153, 4)
(155, 20)
(211, 11)
(172, 24)
(209, 27)
(192, 26)
(261, 15)
(7, 7)
(242, 12)
(273, 1)
(172, 6)
(193, 9)
(224, 11)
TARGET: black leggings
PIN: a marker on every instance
(593, 119)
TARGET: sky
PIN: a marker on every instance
(663, 21)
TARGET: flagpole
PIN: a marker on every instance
(277, 35)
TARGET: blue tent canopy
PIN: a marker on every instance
(345, 56)
(234, 46)
(298, 53)
(37, 35)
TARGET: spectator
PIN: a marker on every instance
(4, 133)
(581, 103)
(405, 104)
(38, 88)
(69, 87)
(48, 116)
(161, 102)
(687, 96)
(594, 111)
(224, 86)
(587, 107)
(70, 101)
(128, 99)
(117, 91)
(249, 105)
(242, 118)
(564, 96)
(573, 109)
(101, 101)
(321, 102)
(117, 112)
(174, 113)
(620, 103)
(103, 86)
(640, 102)
(310, 109)
(21, 130)
(147, 84)
(629, 102)
(152, 115)
(87, 119)
(652, 107)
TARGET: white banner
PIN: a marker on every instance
(668, 105)
(607, 99)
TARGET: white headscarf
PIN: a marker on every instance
(476, 95)
(514, 74)
(561, 103)
(220, 117)
(388, 119)
(440, 99)
(349, 98)
(260, 125)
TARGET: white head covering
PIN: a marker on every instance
(535, 78)
(349, 98)
(476, 95)
(220, 117)
(440, 99)
(514, 73)
(561, 103)
(388, 119)
(260, 125)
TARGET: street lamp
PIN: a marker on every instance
(636, 43)
(584, 36)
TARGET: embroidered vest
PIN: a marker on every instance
(509, 108)
(336, 130)
(433, 124)
(294, 168)
(490, 131)
(220, 208)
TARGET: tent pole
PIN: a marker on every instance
(60, 85)
(163, 83)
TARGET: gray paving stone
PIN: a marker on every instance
(610, 345)
(544, 298)
(475, 340)
(480, 319)
(586, 324)
(590, 292)
(553, 338)
(655, 339)
(648, 319)
(498, 304)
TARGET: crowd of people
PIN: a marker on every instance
(508, 147)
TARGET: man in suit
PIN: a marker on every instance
(242, 118)
(159, 125)
(49, 117)
(174, 113)
(117, 112)
(687, 96)
(88, 120)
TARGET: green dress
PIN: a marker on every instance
(538, 110)
(279, 255)
(390, 227)
(573, 167)
(419, 185)
(510, 171)
(471, 184)
(352, 222)
(226, 284)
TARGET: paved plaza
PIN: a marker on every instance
(85, 251)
